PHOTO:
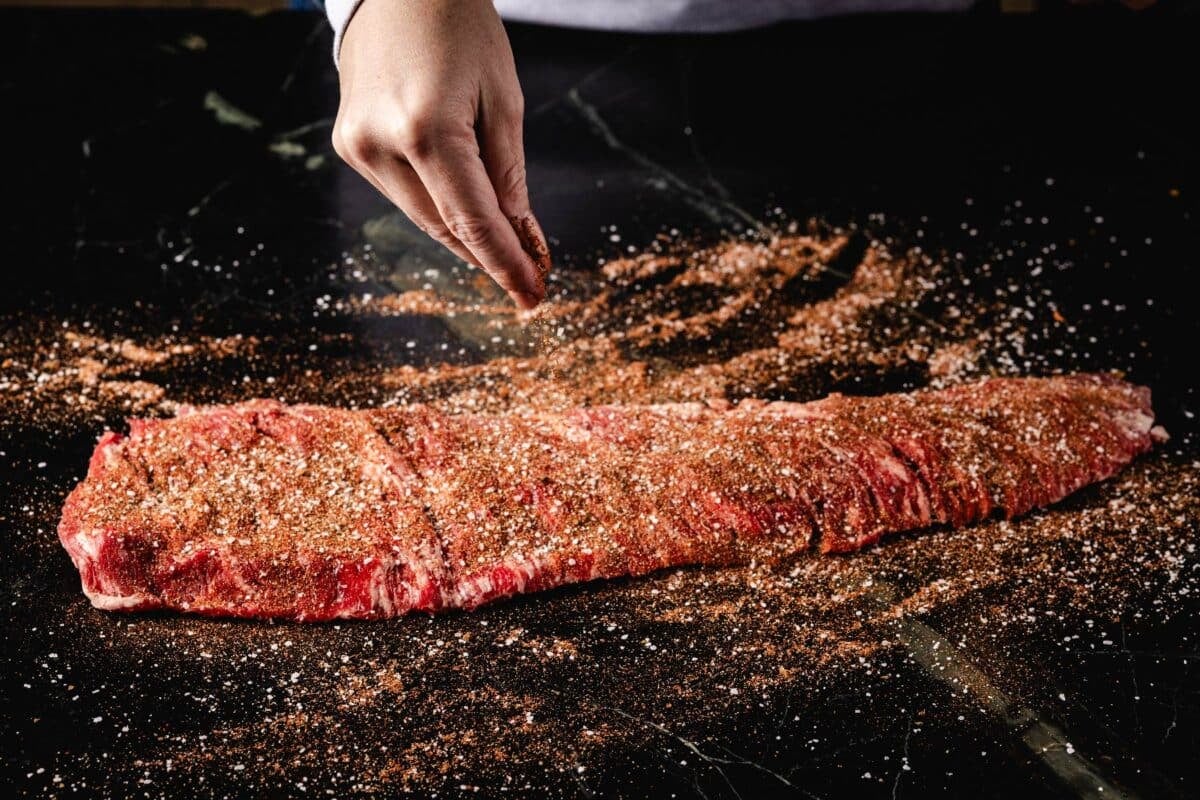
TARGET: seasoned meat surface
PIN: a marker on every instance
(306, 512)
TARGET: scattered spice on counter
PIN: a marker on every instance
(570, 683)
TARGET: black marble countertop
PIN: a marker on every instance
(168, 178)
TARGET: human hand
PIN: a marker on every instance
(431, 114)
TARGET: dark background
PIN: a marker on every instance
(958, 133)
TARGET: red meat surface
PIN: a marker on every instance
(312, 513)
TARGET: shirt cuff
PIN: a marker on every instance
(339, 13)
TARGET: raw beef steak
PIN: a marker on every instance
(312, 513)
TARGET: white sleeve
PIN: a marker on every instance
(339, 13)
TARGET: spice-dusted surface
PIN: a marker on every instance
(268, 511)
(183, 234)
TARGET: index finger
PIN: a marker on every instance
(459, 185)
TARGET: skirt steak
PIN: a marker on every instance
(311, 513)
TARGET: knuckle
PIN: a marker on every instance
(468, 229)
(516, 107)
(339, 145)
(434, 230)
(353, 141)
(429, 127)
(417, 136)
(510, 108)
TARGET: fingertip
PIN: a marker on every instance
(533, 242)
